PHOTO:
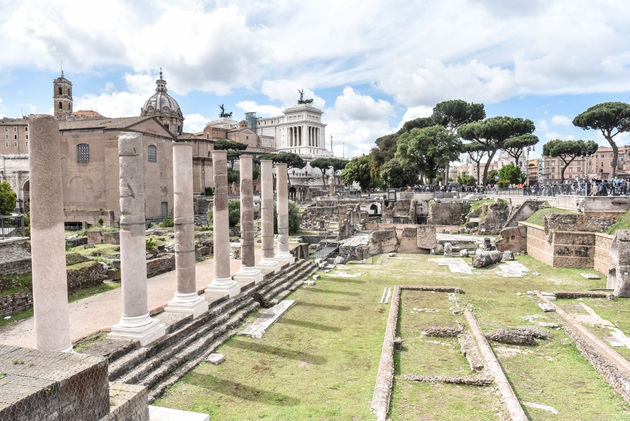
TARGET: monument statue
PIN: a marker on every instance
(302, 100)
(223, 114)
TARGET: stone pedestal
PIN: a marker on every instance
(186, 299)
(283, 255)
(135, 322)
(48, 246)
(222, 281)
(268, 263)
(618, 278)
(248, 270)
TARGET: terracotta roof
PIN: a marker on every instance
(86, 114)
(101, 123)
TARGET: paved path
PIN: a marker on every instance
(102, 311)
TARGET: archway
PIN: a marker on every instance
(26, 196)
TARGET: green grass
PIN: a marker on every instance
(319, 361)
(81, 293)
(538, 217)
(623, 223)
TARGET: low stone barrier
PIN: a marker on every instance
(13, 303)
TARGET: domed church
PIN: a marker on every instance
(162, 106)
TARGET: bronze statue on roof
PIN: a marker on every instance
(302, 100)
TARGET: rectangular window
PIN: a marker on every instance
(15, 144)
(164, 209)
(15, 128)
(14, 137)
(6, 144)
(26, 143)
(6, 129)
(26, 128)
(26, 137)
(83, 152)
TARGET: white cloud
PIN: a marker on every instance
(287, 91)
(356, 120)
(417, 52)
(195, 122)
(542, 125)
(561, 120)
(415, 112)
(260, 110)
(557, 135)
(115, 104)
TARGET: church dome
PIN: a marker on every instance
(161, 103)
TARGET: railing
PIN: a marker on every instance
(11, 226)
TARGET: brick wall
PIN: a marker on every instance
(537, 245)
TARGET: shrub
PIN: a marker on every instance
(149, 243)
(295, 218)
(7, 198)
(234, 212)
(209, 191)
(167, 222)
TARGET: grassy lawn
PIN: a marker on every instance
(319, 361)
(538, 217)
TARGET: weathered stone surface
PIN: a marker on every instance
(494, 217)
(513, 337)
(86, 274)
(466, 380)
(619, 272)
(426, 237)
(463, 253)
(50, 291)
(51, 386)
(215, 358)
(443, 331)
(15, 256)
(513, 239)
(448, 249)
(486, 258)
(507, 256)
(445, 213)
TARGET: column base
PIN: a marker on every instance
(268, 265)
(248, 274)
(190, 303)
(139, 328)
(224, 285)
(284, 258)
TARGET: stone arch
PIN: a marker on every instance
(26, 195)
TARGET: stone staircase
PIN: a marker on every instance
(188, 342)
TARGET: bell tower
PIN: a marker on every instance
(62, 97)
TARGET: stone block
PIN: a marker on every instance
(215, 358)
(52, 385)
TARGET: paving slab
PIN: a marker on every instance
(158, 413)
(258, 327)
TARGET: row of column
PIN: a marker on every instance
(295, 136)
(50, 295)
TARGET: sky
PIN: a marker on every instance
(370, 65)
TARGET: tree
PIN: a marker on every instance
(493, 132)
(515, 146)
(226, 145)
(453, 114)
(292, 160)
(358, 170)
(428, 149)
(610, 118)
(7, 198)
(511, 174)
(476, 151)
(417, 123)
(323, 164)
(466, 180)
(492, 177)
(568, 150)
(396, 174)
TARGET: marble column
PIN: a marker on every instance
(248, 270)
(283, 256)
(186, 299)
(332, 181)
(268, 263)
(135, 322)
(48, 244)
(222, 281)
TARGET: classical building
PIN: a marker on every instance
(299, 130)
(62, 97)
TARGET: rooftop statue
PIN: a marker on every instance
(223, 114)
(302, 100)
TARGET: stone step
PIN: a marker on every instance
(180, 340)
(280, 278)
(301, 275)
(138, 356)
(200, 346)
(188, 342)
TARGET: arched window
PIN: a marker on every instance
(83, 152)
(152, 153)
(59, 90)
(69, 91)
(60, 105)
